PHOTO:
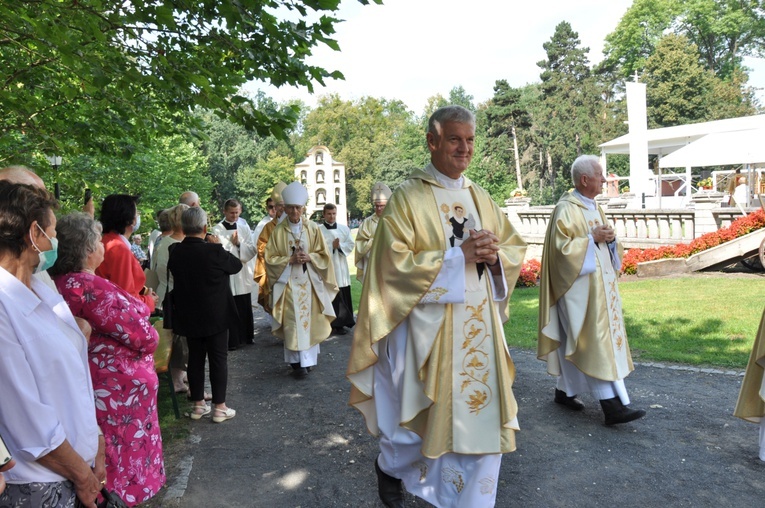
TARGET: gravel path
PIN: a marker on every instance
(296, 443)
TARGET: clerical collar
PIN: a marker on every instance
(330, 226)
(445, 181)
(228, 225)
(589, 203)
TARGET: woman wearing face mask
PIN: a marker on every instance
(119, 217)
(47, 415)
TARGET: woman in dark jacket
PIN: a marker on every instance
(204, 310)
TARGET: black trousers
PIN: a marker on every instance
(216, 348)
(243, 330)
(343, 306)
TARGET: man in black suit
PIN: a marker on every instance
(204, 309)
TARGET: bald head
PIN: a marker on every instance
(189, 198)
(20, 174)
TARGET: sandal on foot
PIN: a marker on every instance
(221, 415)
(199, 411)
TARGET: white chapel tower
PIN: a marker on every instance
(324, 178)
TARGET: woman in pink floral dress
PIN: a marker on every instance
(121, 361)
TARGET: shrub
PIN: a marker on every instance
(739, 227)
(529, 274)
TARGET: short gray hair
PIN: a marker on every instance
(583, 165)
(193, 221)
(163, 220)
(78, 236)
(452, 113)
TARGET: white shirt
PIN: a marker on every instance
(47, 394)
(242, 283)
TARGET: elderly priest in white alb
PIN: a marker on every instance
(581, 327)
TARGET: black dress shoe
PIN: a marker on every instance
(570, 402)
(338, 331)
(616, 412)
(300, 372)
(389, 489)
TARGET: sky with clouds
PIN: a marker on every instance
(414, 49)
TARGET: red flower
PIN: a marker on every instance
(739, 227)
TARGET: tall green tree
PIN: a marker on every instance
(724, 31)
(680, 90)
(568, 119)
(254, 183)
(507, 117)
(158, 174)
(82, 75)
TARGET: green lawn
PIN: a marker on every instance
(696, 321)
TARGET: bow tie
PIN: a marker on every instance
(330, 226)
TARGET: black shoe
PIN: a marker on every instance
(570, 402)
(616, 412)
(389, 489)
(338, 331)
(295, 366)
(300, 372)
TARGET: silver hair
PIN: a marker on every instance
(78, 236)
(453, 113)
(583, 165)
(193, 221)
(174, 215)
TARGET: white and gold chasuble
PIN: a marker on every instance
(579, 308)
(301, 294)
(430, 369)
(474, 386)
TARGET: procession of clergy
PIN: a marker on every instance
(429, 368)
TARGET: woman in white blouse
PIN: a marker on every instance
(47, 415)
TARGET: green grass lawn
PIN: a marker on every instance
(695, 321)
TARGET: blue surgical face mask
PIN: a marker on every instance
(137, 223)
(47, 257)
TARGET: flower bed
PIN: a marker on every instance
(739, 227)
(529, 274)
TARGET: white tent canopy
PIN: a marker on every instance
(720, 149)
(666, 140)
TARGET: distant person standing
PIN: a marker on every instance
(366, 233)
(581, 328)
(189, 198)
(302, 281)
(261, 275)
(138, 252)
(340, 244)
(236, 238)
(265, 220)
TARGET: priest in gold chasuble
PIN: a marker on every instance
(751, 399)
(581, 328)
(302, 278)
(429, 367)
(366, 233)
(260, 277)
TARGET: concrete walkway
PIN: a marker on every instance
(296, 443)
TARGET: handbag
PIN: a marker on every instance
(168, 309)
(111, 500)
